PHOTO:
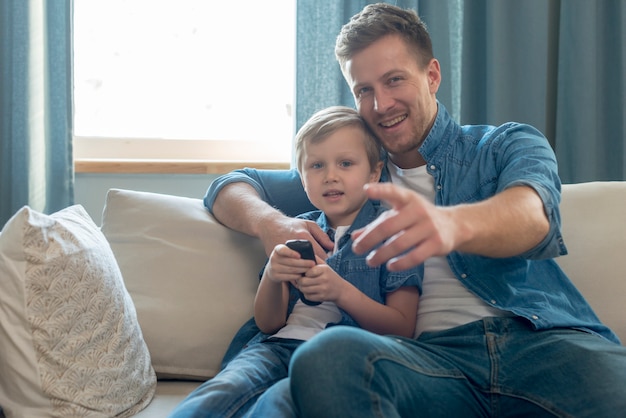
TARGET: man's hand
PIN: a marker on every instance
(279, 229)
(505, 225)
(412, 223)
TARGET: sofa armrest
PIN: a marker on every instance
(594, 230)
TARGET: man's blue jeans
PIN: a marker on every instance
(237, 387)
(495, 367)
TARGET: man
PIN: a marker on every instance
(501, 329)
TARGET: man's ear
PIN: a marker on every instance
(434, 75)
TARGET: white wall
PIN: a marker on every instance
(90, 189)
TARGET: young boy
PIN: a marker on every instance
(336, 156)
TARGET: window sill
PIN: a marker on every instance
(159, 166)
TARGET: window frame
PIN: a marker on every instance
(156, 155)
(172, 156)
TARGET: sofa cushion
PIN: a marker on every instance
(70, 343)
(192, 280)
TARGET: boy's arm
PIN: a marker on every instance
(272, 298)
(398, 316)
(270, 304)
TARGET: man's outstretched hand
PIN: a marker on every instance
(413, 229)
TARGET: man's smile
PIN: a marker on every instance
(394, 121)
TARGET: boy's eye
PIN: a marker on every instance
(345, 164)
(316, 165)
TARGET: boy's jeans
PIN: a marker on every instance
(237, 387)
(495, 367)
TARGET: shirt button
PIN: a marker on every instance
(463, 276)
(439, 187)
(493, 302)
(535, 317)
(432, 166)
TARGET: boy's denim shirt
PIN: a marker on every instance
(469, 164)
(374, 282)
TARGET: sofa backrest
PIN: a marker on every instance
(594, 229)
(193, 280)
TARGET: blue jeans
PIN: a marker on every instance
(236, 388)
(495, 367)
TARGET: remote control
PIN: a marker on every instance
(305, 248)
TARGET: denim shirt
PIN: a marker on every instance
(469, 164)
(374, 282)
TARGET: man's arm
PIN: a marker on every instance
(505, 225)
(239, 206)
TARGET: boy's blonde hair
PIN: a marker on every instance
(326, 122)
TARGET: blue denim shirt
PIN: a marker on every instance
(471, 163)
(374, 282)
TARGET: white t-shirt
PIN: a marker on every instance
(444, 302)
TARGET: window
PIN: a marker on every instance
(184, 81)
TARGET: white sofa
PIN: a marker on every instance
(214, 270)
(192, 281)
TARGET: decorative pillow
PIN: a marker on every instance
(70, 343)
(192, 280)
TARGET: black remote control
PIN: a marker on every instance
(305, 248)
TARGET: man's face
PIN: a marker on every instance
(395, 96)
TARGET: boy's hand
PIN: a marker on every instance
(285, 265)
(321, 283)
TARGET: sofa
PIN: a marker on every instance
(185, 284)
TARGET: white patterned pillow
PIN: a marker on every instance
(70, 343)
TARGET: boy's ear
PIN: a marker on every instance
(376, 172)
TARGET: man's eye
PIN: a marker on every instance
(363, 91)
(394, 80)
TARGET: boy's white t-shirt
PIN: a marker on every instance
(305, 321)
(444, 302)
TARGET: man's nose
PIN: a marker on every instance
(382, 101)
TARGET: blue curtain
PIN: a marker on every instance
(558, 65)
(36, 167)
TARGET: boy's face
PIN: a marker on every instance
(334, 171)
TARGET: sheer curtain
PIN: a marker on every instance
(36, 166)
(557, 65)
